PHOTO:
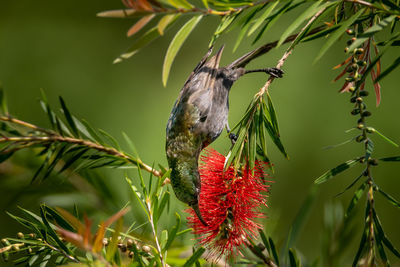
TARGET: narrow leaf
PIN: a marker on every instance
(356, 197)
(389, 69)
(262, 18)
(173, 232)
(338, 169)
(196, 255)
(176, 44)
(299, 20)
(69, 118)
(391, 199)
(165, 21)
(139, 25)
(335, 36)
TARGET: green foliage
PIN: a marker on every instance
(71, 144)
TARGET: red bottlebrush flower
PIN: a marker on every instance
(229, 203)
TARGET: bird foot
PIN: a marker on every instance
(233, 138)
(275, 72)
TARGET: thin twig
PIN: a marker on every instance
(82, 142)
(26, 124)
(151, 219)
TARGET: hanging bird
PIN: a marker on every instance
(198, 117)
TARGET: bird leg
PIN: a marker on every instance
(232, 136)
(275, 72)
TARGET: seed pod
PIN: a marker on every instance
(353, 99)
(354, 66)
(131, 254)
(20, 235)
(355, 111)
(364, 93)
(360, 138)
(373, 162)
(32, 235)
(360, 126)
(129, 242)
(359, 51)
(123, 248)
(366, 113)
(370, 130)
(5, 242)
(352, 88)
(346, 49)
(15, 248)
(349, 31)
(349, 79)
(146, 249)
(359, 100)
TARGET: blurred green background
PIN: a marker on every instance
(62, 47)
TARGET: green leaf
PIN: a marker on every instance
(144, 40)
(300, 19)
(264, 240)
(69, 118)
(362, 37)
(165, 21)
(363, 241)
(180, 4)
(275, 17)
(226, 21)
(173, 232)
(386, 138)
(338, 169)
(335, 36)
(383, 236)
(351, 185)
(234, 153)
(59, 219)
(274, 252)
(245, 24)
(111, 139)
(262, 18)
(161, 207)
(196, 255)
(391, 199)
(397, 158)
(51, 231)
(176, 44)
(294, 260)
(130, 144)
(389, 69)
(356, 197)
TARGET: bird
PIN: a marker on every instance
(198, 117)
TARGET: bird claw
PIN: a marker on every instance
(275, 72)
(233, 138)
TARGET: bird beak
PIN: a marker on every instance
(214, 61)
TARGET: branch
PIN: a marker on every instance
(55, 137)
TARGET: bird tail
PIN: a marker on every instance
(197, 211)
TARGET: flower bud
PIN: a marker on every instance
(364, 93)
(30, 251)
(366, 113)
(360, 126)
(15, 248)
(346, 49)
(353, 99)
(105, 242)
(20, 235)
(352, 88)
(349, 31)
(5, 242)
(129, 243)
(355, 111)
(359, 100)
(130, 254)
(349, 79)
(354, 66)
